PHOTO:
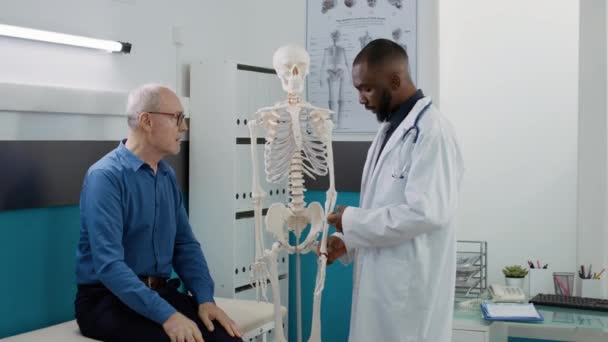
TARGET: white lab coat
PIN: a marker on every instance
(401, 239)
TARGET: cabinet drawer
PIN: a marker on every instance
(469, 336)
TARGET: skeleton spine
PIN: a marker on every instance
(296, 184)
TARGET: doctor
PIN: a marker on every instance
(401, 239)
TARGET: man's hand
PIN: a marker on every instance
(335, 219)
(209, 312)
(335, 249)
(182, 329)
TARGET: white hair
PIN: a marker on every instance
(146, 98)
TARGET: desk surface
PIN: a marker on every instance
(554, 317)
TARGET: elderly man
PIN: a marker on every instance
(134, 231)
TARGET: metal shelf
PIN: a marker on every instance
(471, 268)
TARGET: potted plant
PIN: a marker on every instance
(514, 275)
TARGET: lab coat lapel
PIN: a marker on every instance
(397, 136)
(370, 164)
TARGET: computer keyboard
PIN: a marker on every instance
(582, 303)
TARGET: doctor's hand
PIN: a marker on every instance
(335, 219)
(209, 312)
(180, 328)
(335, 249)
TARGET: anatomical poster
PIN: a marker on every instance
(336, 31)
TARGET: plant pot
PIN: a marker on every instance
(515, 282)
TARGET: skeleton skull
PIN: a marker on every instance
(291, 63)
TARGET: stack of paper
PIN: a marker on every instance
(510, 312)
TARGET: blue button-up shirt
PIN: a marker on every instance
(133, 223)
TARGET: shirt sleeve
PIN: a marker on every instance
(102, 214)
(431, 196)
(347, 258)
(188, 259)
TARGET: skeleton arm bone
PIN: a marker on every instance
(258, 270)
(330, 200)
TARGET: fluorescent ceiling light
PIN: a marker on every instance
(67, 39)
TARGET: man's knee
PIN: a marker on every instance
(219, 334)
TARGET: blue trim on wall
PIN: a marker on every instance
(518, 339)
(37, 251)
(337, 295)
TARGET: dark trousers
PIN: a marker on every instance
(102, 316)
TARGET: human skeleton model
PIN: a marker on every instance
(298, 142)
(335, 65)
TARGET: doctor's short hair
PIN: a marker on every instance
(146, 98)
(381, 51)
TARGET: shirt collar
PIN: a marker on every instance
(397, 117)
(133, 161)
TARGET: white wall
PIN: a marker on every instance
(509, 82)
(208, 28)
(593, 144)
(605, 237)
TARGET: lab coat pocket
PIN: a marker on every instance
(400, 297)
(396, 282)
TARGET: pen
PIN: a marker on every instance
(589, 274)
(545, 267)
(600, 274)
(561, 285)
(530, 264)
(538, 263)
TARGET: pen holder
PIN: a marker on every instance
(563, 283)
(539, 281)
(591, 288)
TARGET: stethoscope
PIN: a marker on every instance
(415, 129)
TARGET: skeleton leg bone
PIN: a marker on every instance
(271, 259)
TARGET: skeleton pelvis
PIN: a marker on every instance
(280, 217)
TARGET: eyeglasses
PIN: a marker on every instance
(180, 116)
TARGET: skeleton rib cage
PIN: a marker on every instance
(282, 156)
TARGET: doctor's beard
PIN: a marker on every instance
(384, 108)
